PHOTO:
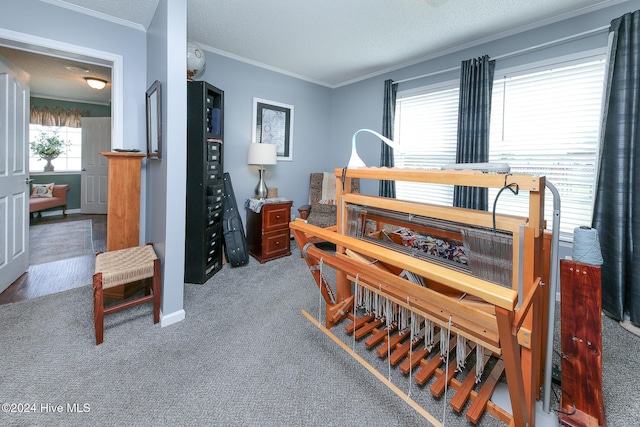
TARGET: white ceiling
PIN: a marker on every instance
(335, 42)
(50, 77)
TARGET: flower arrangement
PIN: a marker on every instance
(49, 145)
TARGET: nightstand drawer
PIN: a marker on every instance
(276, 244)
(275, 217)
(268, 235)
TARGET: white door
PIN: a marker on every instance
(14, 173)
(96, 137)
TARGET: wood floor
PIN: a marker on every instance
(58, 276)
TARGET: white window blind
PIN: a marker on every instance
(544, 123)
(547, 123)
(426, 128)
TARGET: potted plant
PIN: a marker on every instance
(48, 146)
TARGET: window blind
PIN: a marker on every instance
(543, 123)
(426, 128)
(547, 123)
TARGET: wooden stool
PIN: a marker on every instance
(120, 267)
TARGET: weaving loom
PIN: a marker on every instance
(440, 290)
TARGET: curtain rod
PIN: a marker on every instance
(517, 52)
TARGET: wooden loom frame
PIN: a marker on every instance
(515, 327)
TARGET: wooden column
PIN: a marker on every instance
(123, 209)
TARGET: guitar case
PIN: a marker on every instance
(235, 243)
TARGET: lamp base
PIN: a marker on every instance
(261, 188)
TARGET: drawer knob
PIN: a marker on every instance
(277, 216)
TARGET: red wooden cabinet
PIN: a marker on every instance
(268, 234)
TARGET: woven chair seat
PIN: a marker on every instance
(120, 267)
(125, 265)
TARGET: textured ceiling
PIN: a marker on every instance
(333, 42)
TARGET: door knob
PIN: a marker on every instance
(28, 180)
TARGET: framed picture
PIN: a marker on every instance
(154, 121)
(273, 124)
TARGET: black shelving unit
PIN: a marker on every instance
(205, 189)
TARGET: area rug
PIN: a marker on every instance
(60, 240)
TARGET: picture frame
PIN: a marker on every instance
(154, 121)
(273, 124)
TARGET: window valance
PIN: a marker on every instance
(57, 116)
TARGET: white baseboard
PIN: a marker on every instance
(58, 212)
(172, 318)
(626, 324)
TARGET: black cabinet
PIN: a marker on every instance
(205, 188)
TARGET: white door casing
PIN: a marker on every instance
(96, 137)
(14, 173)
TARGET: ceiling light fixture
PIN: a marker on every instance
(96, 83)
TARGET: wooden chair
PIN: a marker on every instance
(120, 267)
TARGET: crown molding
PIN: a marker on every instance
(100, 15)
(261, 65)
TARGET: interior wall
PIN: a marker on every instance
(241, 82)
(95, 110)
(165, 179)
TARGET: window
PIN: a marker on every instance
(70, 161)
(426, 127)
(543, 122)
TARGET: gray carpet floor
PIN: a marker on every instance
(244, 356)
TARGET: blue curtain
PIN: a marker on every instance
(617, 203)
(388, 188)
(474, 114)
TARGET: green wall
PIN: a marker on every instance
(73, 180)
(95, 110)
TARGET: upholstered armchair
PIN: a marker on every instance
(321, 210)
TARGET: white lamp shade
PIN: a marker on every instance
(262, 154)
(195, 59)
(95, 82)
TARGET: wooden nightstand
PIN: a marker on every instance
(268, 234)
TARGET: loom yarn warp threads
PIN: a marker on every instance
(586, 246)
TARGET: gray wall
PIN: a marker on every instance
(312, 149)
(165, 179)
(359, 105)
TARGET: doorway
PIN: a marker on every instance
(50, 50)
(58, 276)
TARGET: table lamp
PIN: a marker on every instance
(262, 154)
